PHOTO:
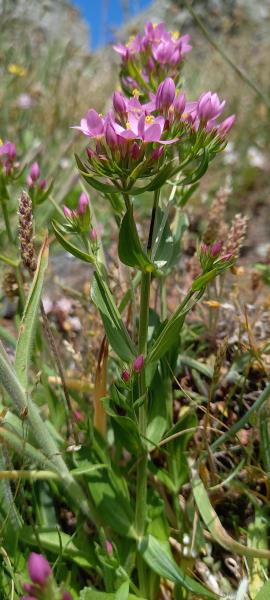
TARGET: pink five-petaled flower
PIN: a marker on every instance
(34, 171)
(146, 128)
(92, 125)
(138, 363)
(165, 94)
(38, 568)
(209, 107)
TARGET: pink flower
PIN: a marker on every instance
(165, 94)
(66, 596)
(34, 171)
(138, 363)
(38, 568)
(92, 125)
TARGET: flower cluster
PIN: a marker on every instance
(8, 154)
(148, 58)
(42, 585)
(78, 220)
(134, 135)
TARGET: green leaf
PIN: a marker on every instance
(158, 556)
(212, 522)
(127, 433)
(264, 593)
(69, 247)
(123, 592)
(49, 539)
(112, 505)
(199, 172)
(130, 250)
(91, 594)
(30, 318)
(115, 329)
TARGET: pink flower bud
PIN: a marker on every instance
(225, 126)
(93, 235)
(157, 152)
(38, 568)
(119, 104)
(90, 153)
(29, 588)
(67, 212)
(66, 596)
(135, 151)
(179, 104)
(28, 598)
(29, 181)
(204, 249)
(165, 94)
(138, 363)
(109, 547)
(78, 416)
(34, 171)
(111, 136)
(125, 375)
(216, 248)
(226, 257)
(42, 184)
(83, 203)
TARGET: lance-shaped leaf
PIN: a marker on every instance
(130, 250)
(159, 558)
(69, 247)
(212, 522)
(170, 332)
(115, 329)
(30, 318)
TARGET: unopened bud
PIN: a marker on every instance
(157, 152)
(125, 375)
(135, 151)
(42, 184)
(93, 235)
(138, 363)
(119, 104)
(34, 171)
(67, 212)
(83, 203)
(38, 568)
(109, 547)
(179, 104)
(216, 248)
(165, 94)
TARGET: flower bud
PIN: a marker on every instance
(67, 212)
(38, 568)
(216, 248)
(138, 363)
(225, 126)
(179, 104)
(165, 94)
(119, 104)
(125, 375)
(109, 547)
(226, 257)
(157, 152)
(34, 171)
(93, 235)
(111, 137)
(28, 598)
(66, 596)
(29, 181)
(204, 249)
(42, 184)
(135, 151)
(83, 203)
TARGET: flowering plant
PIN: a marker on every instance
(125, 467)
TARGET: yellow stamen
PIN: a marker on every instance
(150, 119)
(130, 40)
(175, 35)
(16, 70)
(184, 115)
(128, 125)
(136, 93)
(1, 142)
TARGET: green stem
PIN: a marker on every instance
(6, 219)
(141, 489)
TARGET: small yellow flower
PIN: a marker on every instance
(17, 70)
